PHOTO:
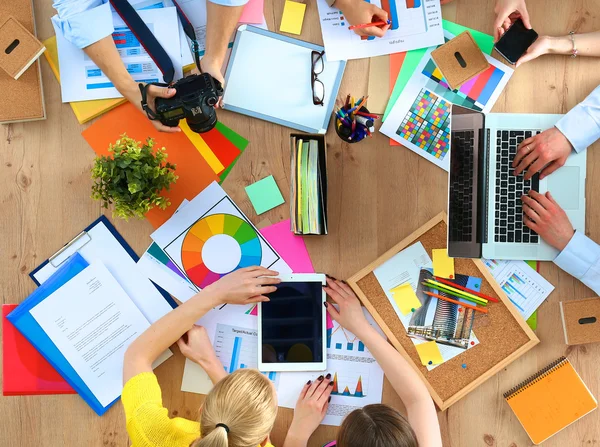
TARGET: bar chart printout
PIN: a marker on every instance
(236, 348)
(350, 384)
(525, 287)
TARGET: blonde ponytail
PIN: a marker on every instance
(238, 412)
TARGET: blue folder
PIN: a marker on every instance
(22, 319)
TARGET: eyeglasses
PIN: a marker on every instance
(318, 89)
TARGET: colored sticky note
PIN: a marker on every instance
(532, 321)
(443, 266)
(264, 195)
(405, 298)
(289, 246)
(293, 17)
(253, 12)
(429, 353)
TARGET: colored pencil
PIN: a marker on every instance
(468, 306)
(455, 294)
(474, 292)
(366, 25)
(370, 115)
(455, 290)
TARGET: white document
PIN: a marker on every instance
(92, 321)
(82, 80)
(211, 237)
(420, 118)
(100, 244)
(233, 332)
(525, 287)
(415, 24)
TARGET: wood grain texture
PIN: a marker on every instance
(378, 194)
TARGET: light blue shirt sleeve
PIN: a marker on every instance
(581, 125)
(83, 22)
(229, 2)
(581, 259)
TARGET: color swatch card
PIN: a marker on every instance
(211, 237)
(415, 24)
(420, 118)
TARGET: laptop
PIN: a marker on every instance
(485, 213)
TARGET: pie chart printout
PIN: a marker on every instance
(217, 245)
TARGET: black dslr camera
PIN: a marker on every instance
(195, 100)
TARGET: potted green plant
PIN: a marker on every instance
(133, 178)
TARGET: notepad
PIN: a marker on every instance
(293, 17)
(550, 400)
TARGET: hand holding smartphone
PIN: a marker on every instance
(515, 42)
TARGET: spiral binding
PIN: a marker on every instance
(535, 378)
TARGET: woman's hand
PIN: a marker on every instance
(545, 152)
(543, 45)
(350, 314)
(196, 346)
(358, 12)
(310, 410)
(507, 12)
(544, 216)
(244, 286)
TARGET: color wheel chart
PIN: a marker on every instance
(203, 248)
(427, 123)
(236, 348)
(350, 384)
(473, 94)
(159, 255)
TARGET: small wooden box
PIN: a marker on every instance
(581, 320)
(19, 49)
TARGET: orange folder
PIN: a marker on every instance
(550, 400)
(194, 172)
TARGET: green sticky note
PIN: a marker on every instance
(532, 264)
(264, 195)
(412, 59)
(532, 321)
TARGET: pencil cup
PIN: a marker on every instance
(345, 132)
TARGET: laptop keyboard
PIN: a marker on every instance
(509, 226)
(461, 188)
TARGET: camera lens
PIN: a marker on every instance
(212, 100)
(203, 122)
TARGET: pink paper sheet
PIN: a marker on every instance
(289, 246)
(253, 12)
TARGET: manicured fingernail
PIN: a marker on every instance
(328, 376)
(344, 282)
(325, 304)
(320, 378)
(331, 383)
(329, 400)
(309, 382)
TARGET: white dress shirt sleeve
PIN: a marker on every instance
(581, 259)
(83, 22)
(581, 125)
(229, 2)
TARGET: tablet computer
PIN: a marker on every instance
(292, 326)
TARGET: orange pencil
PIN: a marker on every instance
(367, 25)
(473, 292)
(468, 306)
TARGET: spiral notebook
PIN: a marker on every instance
(550, 400)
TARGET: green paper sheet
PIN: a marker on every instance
(264, 195)
(532, 322)
(238, 141)
(412, 59)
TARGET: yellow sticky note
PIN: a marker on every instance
(443, 266)
(293, 17)
(429, 353)
(405, 298)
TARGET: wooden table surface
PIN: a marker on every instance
(377, 195)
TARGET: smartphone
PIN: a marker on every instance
(514, 43)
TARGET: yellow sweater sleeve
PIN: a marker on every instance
(148, 422)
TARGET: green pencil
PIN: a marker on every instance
(456, 290)
(455, 294)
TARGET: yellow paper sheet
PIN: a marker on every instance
(293, 17)
(429, 353)
(405, 298)
(202, 147)
(443, 266)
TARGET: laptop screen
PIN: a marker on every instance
(466, 201)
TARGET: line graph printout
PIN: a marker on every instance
(525, 287)
(414, 24)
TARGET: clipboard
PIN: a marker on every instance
(153, 301)
(269, 77)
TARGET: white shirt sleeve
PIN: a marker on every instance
(581, 125)
(229, 2)
(83, 22)
(581, 259)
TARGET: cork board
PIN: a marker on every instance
(581, 320)
(503, 334)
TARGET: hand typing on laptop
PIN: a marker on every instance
(544, 216)
(545, 152)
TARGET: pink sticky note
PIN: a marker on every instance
(253, 12)
(289, 246)
(329, 321)
(254, 311)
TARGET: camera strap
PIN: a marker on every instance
(144, 91)
(189, 31)
(145, 37)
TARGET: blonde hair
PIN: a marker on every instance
(376, 425)
(245, 402)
